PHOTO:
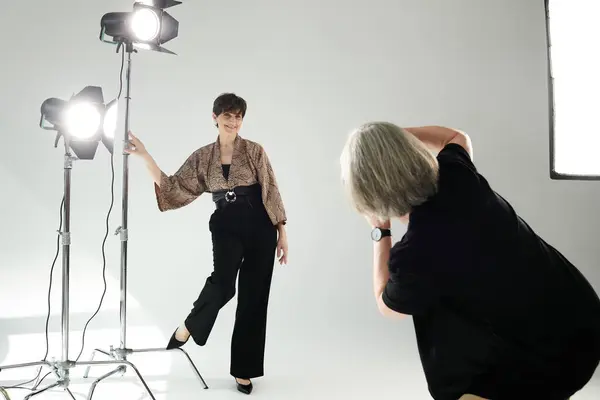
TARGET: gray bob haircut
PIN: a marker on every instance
(387, 171)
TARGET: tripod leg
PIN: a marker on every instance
(193, 366)
(56, 384)
(26, 365)
(121, 369)
(41, 364)
(70, 393)
(161, 349)
(123, 363)
(140, 378)
(87, 370)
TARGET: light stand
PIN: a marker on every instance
(122, 351)
(62, 368)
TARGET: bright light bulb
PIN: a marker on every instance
(143, 46)
(110, 120)
(82, 120)
(145, 24)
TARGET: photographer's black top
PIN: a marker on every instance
(498, 312)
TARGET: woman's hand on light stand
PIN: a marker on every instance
(135, 146)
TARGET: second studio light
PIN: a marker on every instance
(148, 26)
(83, 121)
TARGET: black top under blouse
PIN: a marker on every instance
(226, 170)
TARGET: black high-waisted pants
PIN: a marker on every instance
(244, 240)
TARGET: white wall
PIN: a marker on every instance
(310, 71)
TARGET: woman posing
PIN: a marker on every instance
(247, 228)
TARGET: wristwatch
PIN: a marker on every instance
(378, 233)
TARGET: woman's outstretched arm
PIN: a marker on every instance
(175, 191)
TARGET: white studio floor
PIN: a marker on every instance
(337, 358)
(358, 381)
(276, 388)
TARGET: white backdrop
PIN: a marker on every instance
(310, 71)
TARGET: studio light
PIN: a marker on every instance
(83, 121)
(574, 83)
(148, 26)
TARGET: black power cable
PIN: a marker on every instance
(112, 202)
(22, 385)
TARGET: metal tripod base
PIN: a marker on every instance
(62, 371)
(120, 355)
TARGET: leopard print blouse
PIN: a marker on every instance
(202, 172)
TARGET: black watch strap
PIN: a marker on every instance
(379, 233)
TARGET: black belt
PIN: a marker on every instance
(240, 194)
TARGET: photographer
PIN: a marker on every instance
(498, 312)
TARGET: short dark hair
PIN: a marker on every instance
(229, 102)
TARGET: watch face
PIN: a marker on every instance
(376, 234)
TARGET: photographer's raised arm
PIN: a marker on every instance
(436, 137)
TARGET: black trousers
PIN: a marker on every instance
(244, 243)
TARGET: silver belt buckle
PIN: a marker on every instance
(230, 196)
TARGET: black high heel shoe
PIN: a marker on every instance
(174, 343)
(246, 389)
